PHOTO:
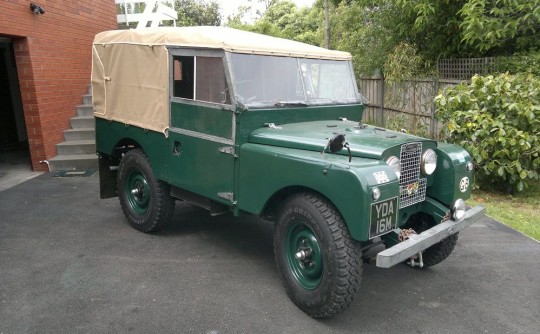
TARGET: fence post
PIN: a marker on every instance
(382, 100)
(433, 107)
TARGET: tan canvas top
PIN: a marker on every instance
(130, 68)
(224, 38)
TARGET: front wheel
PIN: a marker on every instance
(437, 252)
(145, 200)
(320, 264)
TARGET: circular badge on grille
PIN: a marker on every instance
(464, 184)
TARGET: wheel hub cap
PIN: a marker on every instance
(138, 192)
(304, 255)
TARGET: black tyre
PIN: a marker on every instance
(145, 200)
(439, 251)
(321, 266)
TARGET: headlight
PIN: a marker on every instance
(429, 162)
(458, 209)
(395, 164)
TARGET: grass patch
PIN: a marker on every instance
(520, 211)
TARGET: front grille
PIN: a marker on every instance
(412, 189)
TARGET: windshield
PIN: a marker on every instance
(262, 81)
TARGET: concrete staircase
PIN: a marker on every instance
(78, 151)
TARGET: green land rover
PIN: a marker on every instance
(242, 123)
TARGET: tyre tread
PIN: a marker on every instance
(440, 251)
(349, 262)
(163, 203)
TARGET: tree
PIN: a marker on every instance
(283, 19)
(375, 31)
(433, 26)
(198, 13)
(501, 27)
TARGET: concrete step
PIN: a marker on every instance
(76, 147)
(87, 99)
(85, 110)
(80, 134)
(83, 122)
(78, 152)
(74, 162)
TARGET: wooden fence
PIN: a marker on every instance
(407, 105)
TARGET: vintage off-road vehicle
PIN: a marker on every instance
(242, 123)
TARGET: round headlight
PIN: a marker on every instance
(458, 209)
(395, 164)
(429, 162)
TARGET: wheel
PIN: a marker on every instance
(145, 200)
(439, 251)
(321, 266)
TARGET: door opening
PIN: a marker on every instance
(13, 137)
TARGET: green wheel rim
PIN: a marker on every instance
(304, 255)
(137, 192)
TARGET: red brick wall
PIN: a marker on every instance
(53, 56)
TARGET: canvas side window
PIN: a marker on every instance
(201, 79)
(211, 84)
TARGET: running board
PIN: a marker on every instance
(214, 207)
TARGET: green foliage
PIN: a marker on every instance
(283, 19)
(404, 63)
(373, 31)
(497, 119)
(432, 25)
(501, 27)
(197, 13)
(528, 62)
(348, 32)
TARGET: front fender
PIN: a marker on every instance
(265, 170)
(453, 179)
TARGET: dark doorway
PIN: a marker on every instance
(13, 136)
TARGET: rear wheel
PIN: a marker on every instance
(320, 264)
(145, 200)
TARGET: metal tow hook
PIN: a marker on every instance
(414, 263)
(416, 260)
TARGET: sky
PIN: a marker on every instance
(229, 7)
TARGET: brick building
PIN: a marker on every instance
(45, 63)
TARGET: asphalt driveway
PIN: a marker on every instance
(69, 263)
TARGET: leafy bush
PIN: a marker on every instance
(526, 62)
(496, 119)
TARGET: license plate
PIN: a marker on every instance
(383, 217)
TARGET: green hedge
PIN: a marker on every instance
(497, 119)
(525, 62)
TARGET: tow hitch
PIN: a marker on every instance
(404, 235)
(413, 263)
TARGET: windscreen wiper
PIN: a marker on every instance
(290, 104)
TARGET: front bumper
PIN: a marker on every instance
(417, 243)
